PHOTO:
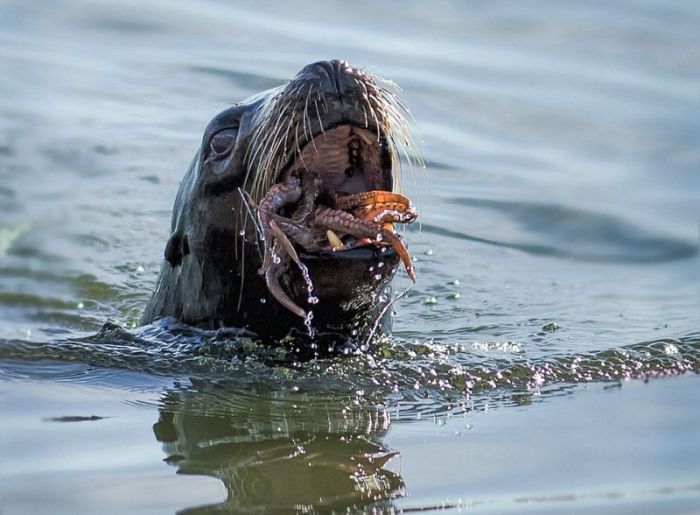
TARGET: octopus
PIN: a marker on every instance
(295, 212)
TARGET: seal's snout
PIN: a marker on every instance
(335, 77)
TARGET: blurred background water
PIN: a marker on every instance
(557, 263)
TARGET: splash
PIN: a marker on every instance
(422, 377)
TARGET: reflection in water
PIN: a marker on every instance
(279, 450)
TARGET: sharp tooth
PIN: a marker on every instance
(366, 136)
(334, 240)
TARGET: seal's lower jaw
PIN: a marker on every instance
(367, 263)
(353, 287)
(362, 266)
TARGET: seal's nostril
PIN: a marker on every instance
(320, 69)
(338, 65)
(334, 75)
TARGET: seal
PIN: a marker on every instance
(284, 221)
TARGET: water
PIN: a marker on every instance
(547, 358)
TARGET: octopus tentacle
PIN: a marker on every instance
(391, 237)
(280, 195)
(272, 280)
(368, 215)
(342, 221)
(281, 238)
(310, 185)
(303, 235)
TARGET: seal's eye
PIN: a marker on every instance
(223, 142)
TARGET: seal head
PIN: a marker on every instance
(335, 123)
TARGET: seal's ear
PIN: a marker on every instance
(177, 247)
(173, 252)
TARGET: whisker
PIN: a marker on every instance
(246, 203)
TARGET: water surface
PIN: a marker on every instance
(546, 360)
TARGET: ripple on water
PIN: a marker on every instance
(570, 233)
(416, 378)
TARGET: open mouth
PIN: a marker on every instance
(347, 159)
(347, 169)
(332, 197)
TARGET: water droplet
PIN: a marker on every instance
(307, 323)
(312, 300)
(380, 264)
(263, 301)
(429, 252)
(140, 269)
(382, 250)
(377, 277)
(430, 301)
(371, 269)
(241, 233)
(670, 348)
(295, 388)
(80, 305)
(379, 237)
